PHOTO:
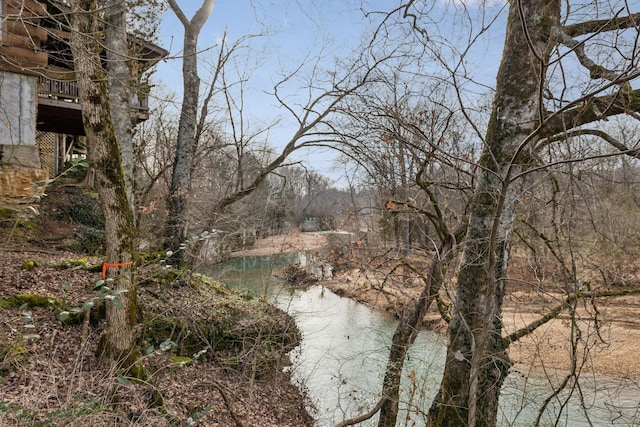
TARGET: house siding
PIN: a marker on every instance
(21, 174)
(17, 109)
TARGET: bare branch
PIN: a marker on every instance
(198, 19)
(602, 25)
(589, 109)
(605, 136)
(556, 311)
(596, 71)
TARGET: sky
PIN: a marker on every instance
(289, 33)
(293, 33)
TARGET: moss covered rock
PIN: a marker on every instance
(30, 265)
(30, 300)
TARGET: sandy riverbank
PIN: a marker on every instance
(611, 351)
(294, 241)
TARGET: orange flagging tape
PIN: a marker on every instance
(119, 264)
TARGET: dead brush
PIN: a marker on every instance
(55, 387)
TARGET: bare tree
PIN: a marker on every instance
(118, 342)
(477, 362)
(560, 76)
(186, 139)
(403, 133)
(313, 112)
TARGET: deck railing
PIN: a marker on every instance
(67, 90)
(64, 90)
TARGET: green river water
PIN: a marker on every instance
(341, 360)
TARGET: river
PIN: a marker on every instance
(342, 357)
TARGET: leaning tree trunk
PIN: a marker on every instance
(477, 363)
(410, 325)
(118, 342)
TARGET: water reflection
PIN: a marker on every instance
(341, 360)
(342, 357)
(343, 354)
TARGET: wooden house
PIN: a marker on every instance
(40, 113)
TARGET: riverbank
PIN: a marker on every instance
(607, 349)
(291, 242)
(610, 351)
(49, 374)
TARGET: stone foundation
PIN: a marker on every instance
(27, 156)
(21, 183)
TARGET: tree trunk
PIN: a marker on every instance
(119, 86)
(476, 362)
(176, 233)
(408, 329)
(404, 197)
(118, 342)
(181, 177)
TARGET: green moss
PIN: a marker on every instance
(181, 361)
(30, 300)
(137, 371)
(96, 268)
(30, 265)
(152, 256)
(130, 362)
(81, 262)
(33, 300)
(27, 225)
(7, 213)
(198, 280)
(18, 350)
(12, 357)
(62, 265)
